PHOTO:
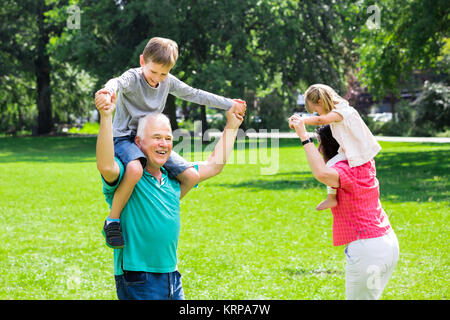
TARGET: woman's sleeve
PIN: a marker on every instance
(345, 175)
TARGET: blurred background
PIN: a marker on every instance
(389, 58)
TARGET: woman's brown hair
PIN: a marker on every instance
(328, 144)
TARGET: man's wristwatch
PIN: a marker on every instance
(307, 141)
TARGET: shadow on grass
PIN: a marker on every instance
(421, 176)
(74, 149)
(403, 177)
(414, 176)
(297, 183)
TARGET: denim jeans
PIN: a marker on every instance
(135, 285)
(126, 150)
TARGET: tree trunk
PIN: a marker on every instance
(186, 111)
(171, 112)
(393, 101)
(204, 122)
(42, 70)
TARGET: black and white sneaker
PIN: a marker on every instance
(113, 235)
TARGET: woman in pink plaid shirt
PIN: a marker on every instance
(359, 221)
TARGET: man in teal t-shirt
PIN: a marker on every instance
(152, 221)
(146, 268)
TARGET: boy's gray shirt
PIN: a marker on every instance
(136, 98)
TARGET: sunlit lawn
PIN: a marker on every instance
(244, 235)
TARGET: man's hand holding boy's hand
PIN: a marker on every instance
(234, 120)
(239, 107)
(102, 99)
(105, 103)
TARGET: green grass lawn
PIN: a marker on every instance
(244, 235)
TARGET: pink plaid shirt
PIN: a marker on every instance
(359, 214)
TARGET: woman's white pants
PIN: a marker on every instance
(370, 263)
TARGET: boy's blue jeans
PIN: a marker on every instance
(136, 285)
(126, 150)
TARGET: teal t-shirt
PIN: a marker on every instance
(150, 224)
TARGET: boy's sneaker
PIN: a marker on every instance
(113, 235)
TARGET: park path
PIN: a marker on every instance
(293, 135)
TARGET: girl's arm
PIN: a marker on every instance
(323, 119)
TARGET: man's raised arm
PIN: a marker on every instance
(106, 164)
(216, 161)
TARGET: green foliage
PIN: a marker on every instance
(235, 48)
(428, 115)
(88, 128)
(25, 61)
(433, 109)
(17, 48)
(410, 36)
(17, 103)
(445, 134)
(272, 114)
(72, 92)
(232, 48)
(403, 126)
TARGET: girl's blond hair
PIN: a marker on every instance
(326, 94)
(161, 51)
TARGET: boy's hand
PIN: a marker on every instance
(234, 120)
(239, 107)
(108, 108)
(102, 99)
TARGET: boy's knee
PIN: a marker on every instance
(134, 170)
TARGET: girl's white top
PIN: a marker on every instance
(354, 137)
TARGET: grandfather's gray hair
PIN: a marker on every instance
(144, 120)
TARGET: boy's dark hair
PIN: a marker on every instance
(329, 145)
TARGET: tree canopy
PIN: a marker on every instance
(247, 49)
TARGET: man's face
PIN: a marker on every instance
(157, 142)
(154, 73)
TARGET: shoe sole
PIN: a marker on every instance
(112, 247)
